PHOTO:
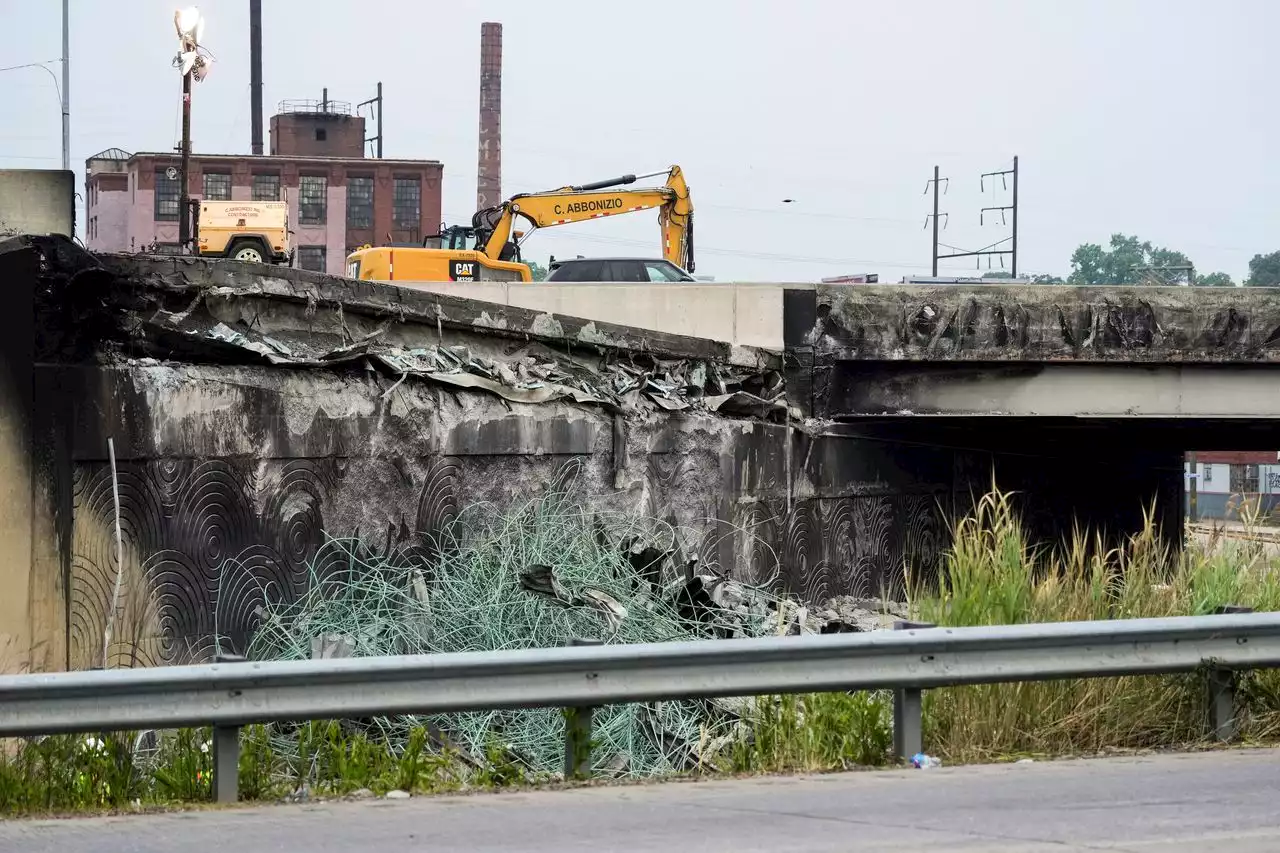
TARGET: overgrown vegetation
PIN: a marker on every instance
(991, 576)
(818, 731)
(119, 771)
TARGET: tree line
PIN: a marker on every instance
(1129, 260)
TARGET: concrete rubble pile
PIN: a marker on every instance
(724, 608)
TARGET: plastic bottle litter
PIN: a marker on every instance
(924, 762)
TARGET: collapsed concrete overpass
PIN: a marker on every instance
(254, 410)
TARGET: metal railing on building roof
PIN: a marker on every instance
(324, 107)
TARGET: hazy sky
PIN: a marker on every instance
(1151, 117)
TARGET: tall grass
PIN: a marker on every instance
(993, 577)
(818, 731)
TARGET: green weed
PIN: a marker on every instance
(817, 731)
(991, 576)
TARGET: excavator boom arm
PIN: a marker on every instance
(595, 201)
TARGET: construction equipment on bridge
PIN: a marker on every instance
(489, 250)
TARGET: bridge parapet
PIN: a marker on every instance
(1036, 323)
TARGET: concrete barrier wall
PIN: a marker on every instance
(37, 201)
(740, 314)
(33, 604)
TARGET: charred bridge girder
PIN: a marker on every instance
(1082, 398)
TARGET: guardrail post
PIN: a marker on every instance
(577, 733)
(1224, 724)
(908, 709)
(226, 764)
(226, 751)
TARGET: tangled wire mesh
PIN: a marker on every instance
(531, 576)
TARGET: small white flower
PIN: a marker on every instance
(92, 744)
(204, 747)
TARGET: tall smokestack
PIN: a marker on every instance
(255, 73)
(489, 173)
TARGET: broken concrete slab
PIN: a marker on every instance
(123, 307)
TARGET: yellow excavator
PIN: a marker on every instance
(489, 250)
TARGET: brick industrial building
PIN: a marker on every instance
(338, 199)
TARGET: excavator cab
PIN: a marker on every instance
(461, 238)
(455, 237)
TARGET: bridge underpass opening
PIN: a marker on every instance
(1098, 473)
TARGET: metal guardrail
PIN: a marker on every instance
(230, 695)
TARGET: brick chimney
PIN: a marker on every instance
(489, 171)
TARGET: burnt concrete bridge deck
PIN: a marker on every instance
(1039, 351)
(1083, 398)
(255, 410)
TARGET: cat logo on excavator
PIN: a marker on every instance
(462, 271)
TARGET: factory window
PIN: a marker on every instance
(312, 206)
(321, 134)
(217, 186)
(266, 187)
(1244, 478)
(167, 197)
(406, 203)
(359, 202)
(311, 258)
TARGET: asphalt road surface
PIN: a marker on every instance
(1201, 802)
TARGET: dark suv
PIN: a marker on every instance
(617, 269)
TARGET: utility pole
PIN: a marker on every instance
(193, 66)
(1015, 216)
(934, 216)
(1193, 511)
(994, 248)
(1001, 174)
(374, 103)
(184, 199)
(935, 221)
(66, 88)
